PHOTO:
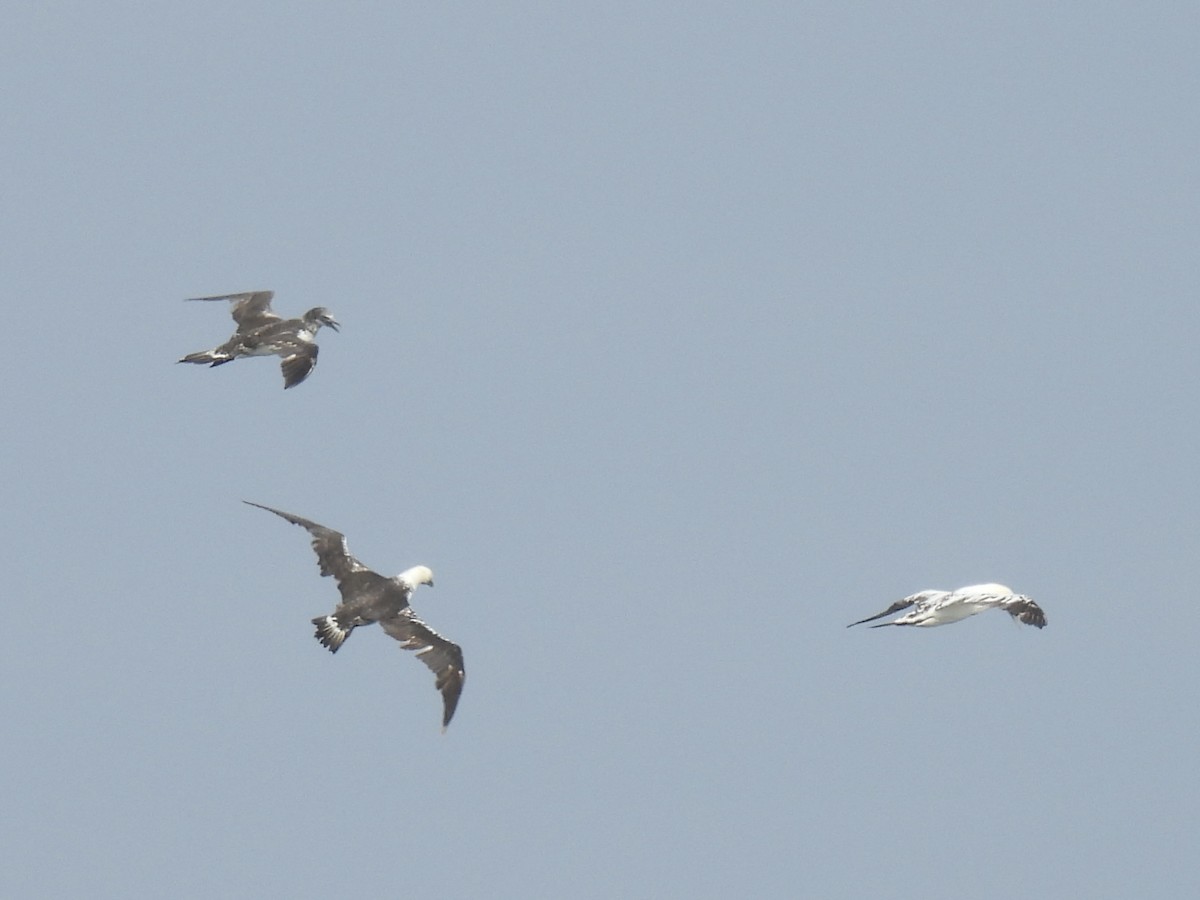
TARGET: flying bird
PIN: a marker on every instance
(369, 597)
(263, 332)
(932, 608)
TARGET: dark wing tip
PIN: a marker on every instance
(451, 689)
(445, 659)
(293, 518)
(895, 607)
(1028, 613)
(1034, 617)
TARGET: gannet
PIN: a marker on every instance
(943, 607)
(369, 597)
(262, 332)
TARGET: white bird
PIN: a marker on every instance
(368, 597)
(943, 607)
(263, 332)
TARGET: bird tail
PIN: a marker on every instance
(207, 357)
(330, 633)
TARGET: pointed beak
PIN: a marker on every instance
(334, 324)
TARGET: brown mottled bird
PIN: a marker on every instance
(369, 597)
(262, 332)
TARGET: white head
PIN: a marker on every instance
(417, 575)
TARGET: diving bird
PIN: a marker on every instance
(369, 597)
(943, 607)
(263, 332)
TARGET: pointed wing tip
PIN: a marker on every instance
(450, 696)
(1028, 613)
(287, 517)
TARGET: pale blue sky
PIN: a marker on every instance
(675, 337)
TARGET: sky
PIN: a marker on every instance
(675, 337)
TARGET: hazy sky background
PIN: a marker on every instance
(675, 337)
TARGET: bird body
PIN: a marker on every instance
(262, 332)
(931, 608)
(368, 597)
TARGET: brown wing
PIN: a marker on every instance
(1025, 610)
(333, 556)
(443, 657)
(299, 364)
(251, 309)
(895, 607)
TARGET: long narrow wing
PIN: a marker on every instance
(1025, 610)
(895, 607)
(444, 658)
(333, 556)
(251, 309)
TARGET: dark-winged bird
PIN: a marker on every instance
(262, 332)
(932, 608)
(369, 597)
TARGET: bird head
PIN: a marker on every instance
(319, 315)
(418, 575)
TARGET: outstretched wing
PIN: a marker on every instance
(333, 556)
(895, 607)
(251, 309)
(443, 657)
(1025, 610)
(297, 365)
